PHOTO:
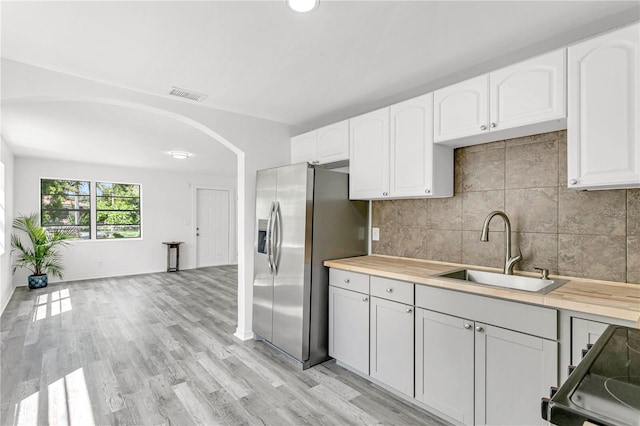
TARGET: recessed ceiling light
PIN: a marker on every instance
(180, 155)
(303, 5)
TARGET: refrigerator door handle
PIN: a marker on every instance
(277, 237)
(269, 245)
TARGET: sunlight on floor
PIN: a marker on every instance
(27, 411)
(60, 303)
(69, 403)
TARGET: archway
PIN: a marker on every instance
(216, 137)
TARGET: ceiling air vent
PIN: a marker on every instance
(184, 93)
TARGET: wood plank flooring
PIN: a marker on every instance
(157, 349)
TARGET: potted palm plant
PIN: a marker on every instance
(40, 253)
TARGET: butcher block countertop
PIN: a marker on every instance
(606, 298)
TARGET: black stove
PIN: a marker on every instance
(604, 389)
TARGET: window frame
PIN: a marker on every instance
(96, 210)
(93, 202)
(89, 210)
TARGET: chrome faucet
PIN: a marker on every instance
(509, 261)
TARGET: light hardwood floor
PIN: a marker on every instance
(158, 349)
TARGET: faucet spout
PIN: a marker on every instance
(510, 261)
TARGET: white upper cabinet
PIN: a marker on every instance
(393, 156)
(528, 92)
(417, 168)
(333, 142)
(325, 145)
(603, 144)
(369, 155)
(461, 109)
(522, 99)
(303, 147)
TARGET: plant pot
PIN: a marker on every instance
(38, 281)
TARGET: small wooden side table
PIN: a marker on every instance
(173, 245)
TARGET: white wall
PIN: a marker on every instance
(167, 215)
(6, 282)
(260, 144)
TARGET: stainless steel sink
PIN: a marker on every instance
(514, 282)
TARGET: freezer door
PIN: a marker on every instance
(291, 291)
(263, 278)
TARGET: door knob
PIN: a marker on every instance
(467, 326)
(408, 310)
(364, 299)
(389, 290)
(483, 127)
(479, 329)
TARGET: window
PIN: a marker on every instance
(117, 210)
(66, 203)
(100, 210)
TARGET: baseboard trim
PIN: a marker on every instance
(244, 334)
(6, 302)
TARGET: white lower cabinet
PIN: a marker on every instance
(349, 328)
(392, 344)
(584, 332)
(444, 364)
(481, 374)
(474, 360)
(513, 371)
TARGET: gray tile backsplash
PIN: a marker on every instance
(591, 234)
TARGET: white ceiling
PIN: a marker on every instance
(261, 59)
(110, 134)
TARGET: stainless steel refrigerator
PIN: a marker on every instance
(303, 217)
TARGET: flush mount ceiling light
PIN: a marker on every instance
(179, 155)
(303, 5)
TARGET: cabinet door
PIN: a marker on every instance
(392, 344)
(603, 144)
(369, 155)
(412, 147)
(513, 371)
(333, 142)
(444, 364)
(528, 92)
(349, 328)
(461, 109)
(303, 148)
(583, 333)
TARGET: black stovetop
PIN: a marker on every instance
(605, 387)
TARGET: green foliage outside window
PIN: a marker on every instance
(66, 204)
(117, 210)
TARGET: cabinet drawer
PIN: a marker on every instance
(399, 291)
(349, 280)
(529, 319)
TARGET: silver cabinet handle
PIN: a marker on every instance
(408, 310)
(427, 191)
(385, 194)
(493, 125)
(467, 326)
(573, 181)
(364, 299)
(347, 281)
(479, 329)
(483, 127)
(389, 290)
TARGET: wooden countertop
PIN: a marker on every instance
(606, 298)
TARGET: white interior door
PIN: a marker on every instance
(212, 227)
